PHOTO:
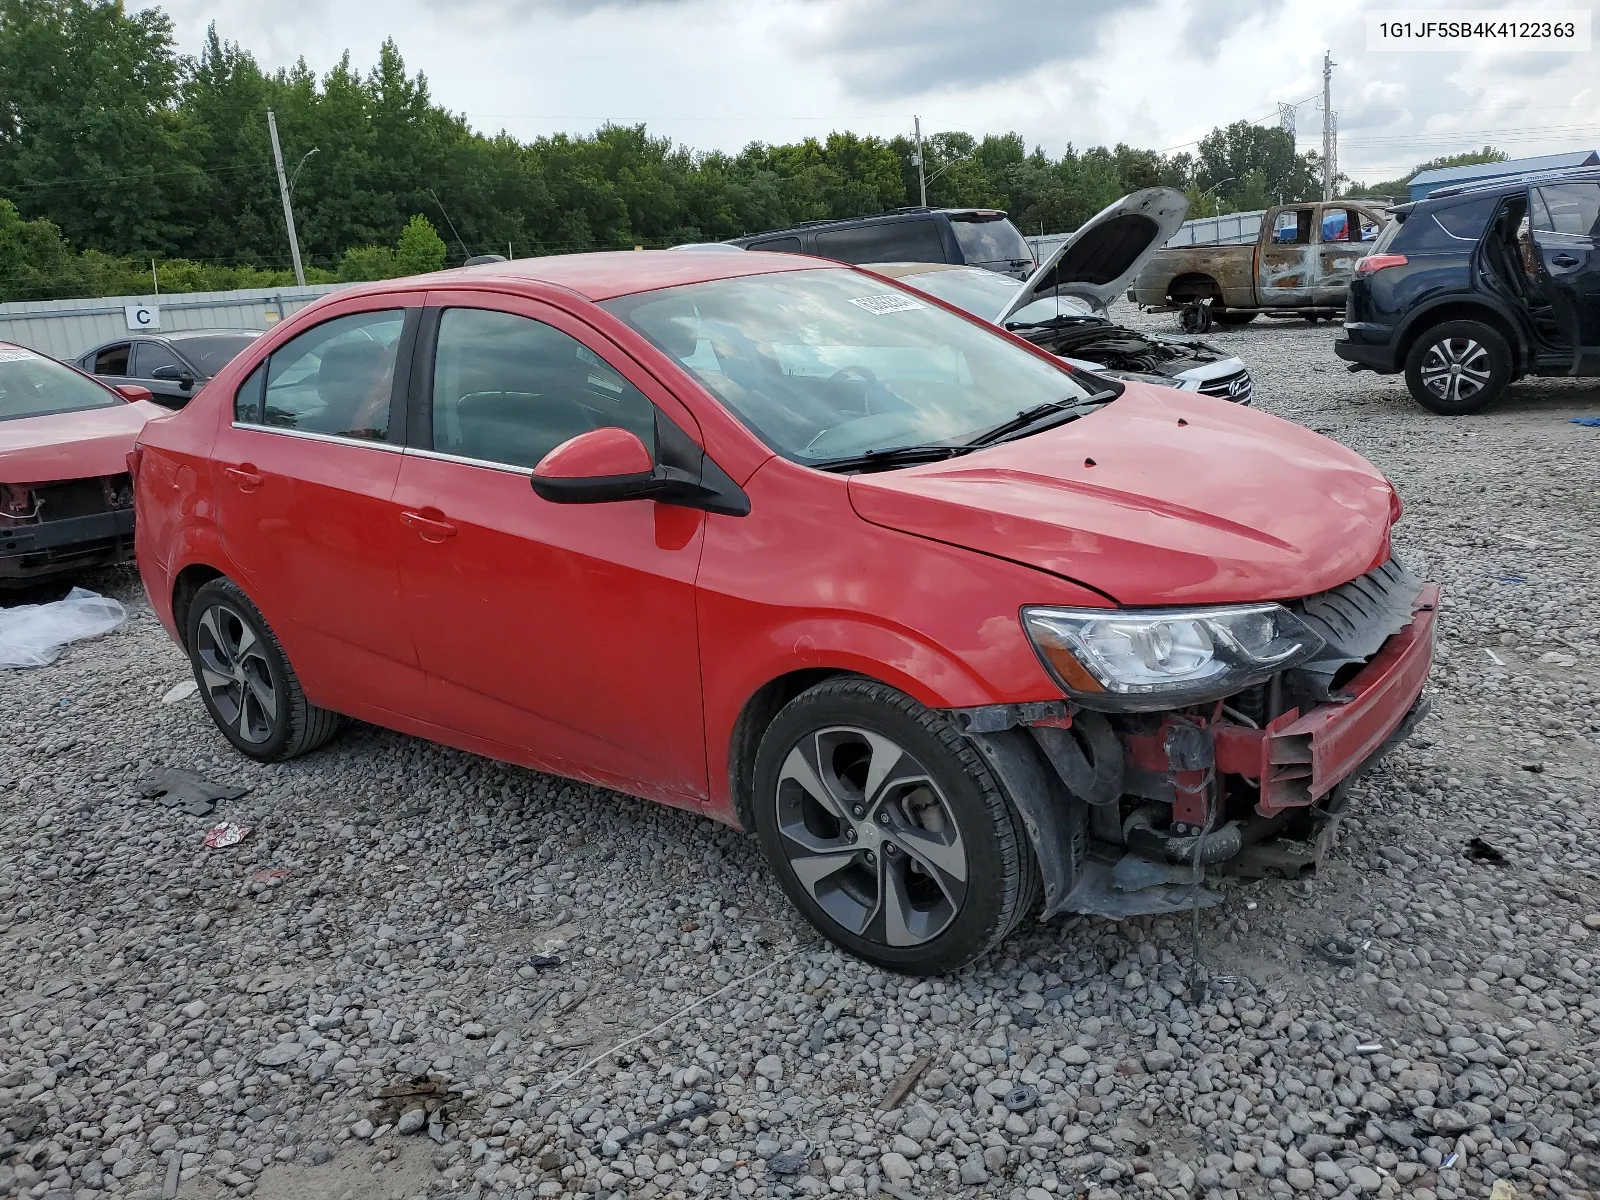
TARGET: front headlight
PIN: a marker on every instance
(1144, 377)
(1141, 661)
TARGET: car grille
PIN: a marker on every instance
(1354, 619)
(1236, 387)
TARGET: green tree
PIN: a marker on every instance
(420, 248)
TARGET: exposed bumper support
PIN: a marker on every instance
(34, 551)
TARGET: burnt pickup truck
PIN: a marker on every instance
(1299, 266)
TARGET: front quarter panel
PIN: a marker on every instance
(802, 583)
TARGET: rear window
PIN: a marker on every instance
(891, 241)
(990, 239)
(34, 386)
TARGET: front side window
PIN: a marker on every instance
(509, 389)
(830, 363)
(147, 356)
(34, 386)
(1572, 209)
(335, 378)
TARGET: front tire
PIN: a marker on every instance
(887, 831)
(1458, 367)
(246, 682)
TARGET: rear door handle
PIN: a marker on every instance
(1564, 260)
(431, 529)
(246, 476)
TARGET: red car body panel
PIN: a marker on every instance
(1126, 501)
(620, 643)
(73, 445)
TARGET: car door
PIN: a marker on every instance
(1565, 227)
(304, 471)
(1288, 260)
(566, 631)
(1339, 248)
(156, 367)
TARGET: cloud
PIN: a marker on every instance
(888, 49)
(1214, 21)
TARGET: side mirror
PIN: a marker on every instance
(169, 373)
(600, 466)
(133, 392)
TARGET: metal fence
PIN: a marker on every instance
(66, 328)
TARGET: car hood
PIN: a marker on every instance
(72, 445)
(1161, 497)
(1100, 258)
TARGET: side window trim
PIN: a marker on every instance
(399, 390)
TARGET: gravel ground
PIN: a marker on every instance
(192, 1022)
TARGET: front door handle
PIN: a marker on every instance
(246, 476)
(1564, 260)
(430, 529)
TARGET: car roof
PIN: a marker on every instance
(1516, 182)
(606, 274)
(182, 335)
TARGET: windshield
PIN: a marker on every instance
(34, 386)
(211, 354)
(829, 363)
(993, 239)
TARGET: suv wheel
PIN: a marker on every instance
(1458, 367)
(245, 679)
(887, 831)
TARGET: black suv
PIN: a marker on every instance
(1473, 287)
(974, 237)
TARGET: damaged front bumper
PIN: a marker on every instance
(1123, 817)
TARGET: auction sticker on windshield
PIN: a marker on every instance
(886, 302)
(16, 355)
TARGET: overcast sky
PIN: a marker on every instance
(1153, 73)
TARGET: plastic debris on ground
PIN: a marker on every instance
(1591, 422)
(220, 837)
(33, 635)
(195, 794)
(272, 876)
(180, 691)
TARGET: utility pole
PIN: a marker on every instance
(1327, 126)
(922, 178)
(288, 209)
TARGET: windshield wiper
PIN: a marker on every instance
(893, 456)
(1041, 417)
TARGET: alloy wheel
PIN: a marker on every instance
(1456, 369)
(236, 674)
(868, 833)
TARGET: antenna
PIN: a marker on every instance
(465, 253)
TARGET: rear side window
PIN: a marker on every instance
(1452, 229)
(993, 239)
(113, 360)
(335, 378)
(1466, 222)
(509, 389)
(782, 245)
(893, 241)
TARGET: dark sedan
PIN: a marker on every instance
(173, 365)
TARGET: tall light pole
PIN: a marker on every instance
(1216, 202)
(922, 179)
(283, 190)
(1327, 126)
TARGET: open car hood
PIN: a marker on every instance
(1161, 497)
(1104, 253)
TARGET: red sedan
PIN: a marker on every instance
(962, 634)
(66, 503)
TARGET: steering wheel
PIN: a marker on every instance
(837, 380)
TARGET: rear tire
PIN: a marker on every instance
(1233, 318)
(887, 831)
(1458, 367)
(246, 682)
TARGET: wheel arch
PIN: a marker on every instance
(1194, 285)
(185, 584)
(1420, 322)
(752, 722)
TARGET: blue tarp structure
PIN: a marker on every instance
(1426, 181)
